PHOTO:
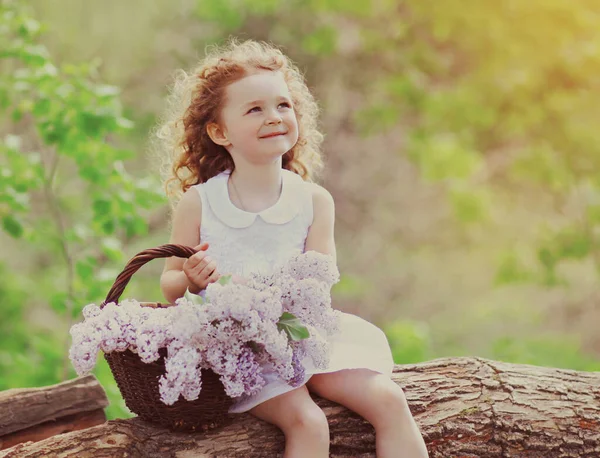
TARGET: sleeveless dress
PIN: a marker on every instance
(242, 242)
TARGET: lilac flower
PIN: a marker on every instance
(299, 371)
(235, 332)
(312, 265)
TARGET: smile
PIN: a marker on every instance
(277, 134)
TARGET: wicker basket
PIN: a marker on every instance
(138, 381)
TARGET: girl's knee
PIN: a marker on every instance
(296, 414)
(394, 396)
(391, 402)
(307, 420)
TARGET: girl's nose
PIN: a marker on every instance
(273, 118)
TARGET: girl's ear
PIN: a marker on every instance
(216, 134)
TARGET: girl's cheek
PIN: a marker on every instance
(294, 121)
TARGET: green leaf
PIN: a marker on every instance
(85, 268)
(444, 156)
(322, 41)
(223, 13)
(13, 226)
(29, 27)
(293, 327)
(547, 258)
(511, 270)
(58, 301)
(358, 8)
(108, 227)
(112, 248)
(573, 243)
(469, 204)
(102, 206)
(194, 298)
(225, 279)
(377, 117)
(79, 233)
(134, 225)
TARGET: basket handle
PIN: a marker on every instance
(162, 251)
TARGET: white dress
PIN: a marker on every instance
(243, 242)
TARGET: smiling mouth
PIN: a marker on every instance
(274, 135)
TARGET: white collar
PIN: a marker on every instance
(284, 210)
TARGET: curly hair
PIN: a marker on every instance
(187, 153)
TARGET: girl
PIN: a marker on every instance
(244, 147)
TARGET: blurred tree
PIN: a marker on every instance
(65, 194)
(495, 96)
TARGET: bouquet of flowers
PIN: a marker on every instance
(304, 283)
(235, 330)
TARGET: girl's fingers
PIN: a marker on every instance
(209, 269)
(214, 276)
(196, 260)
(200, 268)
(202, 247)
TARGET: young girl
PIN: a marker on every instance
(244, 148)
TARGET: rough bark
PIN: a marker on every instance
(32, 414)
(465, 407)
(51, 428)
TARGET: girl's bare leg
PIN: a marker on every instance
(303, 423)
(378, 399)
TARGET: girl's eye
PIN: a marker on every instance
(285, 104)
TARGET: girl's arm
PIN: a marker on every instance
(321, 233)
(185, 231)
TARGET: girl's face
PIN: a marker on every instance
(258, 122)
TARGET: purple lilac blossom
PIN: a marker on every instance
(235, 333)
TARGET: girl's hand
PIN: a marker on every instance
(201, 269)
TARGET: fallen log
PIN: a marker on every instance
(465, 407)
(33, 414)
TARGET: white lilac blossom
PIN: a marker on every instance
(312, 264)
(233, 331)
(305, 282)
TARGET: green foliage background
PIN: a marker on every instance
(494, 109)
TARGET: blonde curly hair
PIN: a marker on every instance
(187, 153)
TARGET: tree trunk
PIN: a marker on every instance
(33, 414)
(465, 407)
